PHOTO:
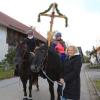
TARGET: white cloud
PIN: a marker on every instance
(83, 29)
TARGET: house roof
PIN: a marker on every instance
(9, 22)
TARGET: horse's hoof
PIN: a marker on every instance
(30, 98)
(25, 98)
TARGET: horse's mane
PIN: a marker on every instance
(53, 53)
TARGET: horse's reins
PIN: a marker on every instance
(42, 64)
(63, 85)
(46, 74)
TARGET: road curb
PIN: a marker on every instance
(97, 91)
(91, 84)
(92, 81)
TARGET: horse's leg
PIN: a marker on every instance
(51, 89)
(37, 84)
(24, 82)
(30, 88)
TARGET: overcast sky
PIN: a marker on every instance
(83, 18)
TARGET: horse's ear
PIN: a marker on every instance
(46, 43)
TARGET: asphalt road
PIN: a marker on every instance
(11, 89)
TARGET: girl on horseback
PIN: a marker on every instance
(59, 46)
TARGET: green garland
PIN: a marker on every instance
(44, 12)
(58, 12)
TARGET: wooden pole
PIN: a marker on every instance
(52, 15)
(50, 34)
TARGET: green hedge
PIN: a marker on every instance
(94, 66)
(7, 65)
(6, 74)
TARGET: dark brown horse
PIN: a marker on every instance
(25, 72)
(48, 61)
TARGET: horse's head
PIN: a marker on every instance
(22, 49)
(39, 58)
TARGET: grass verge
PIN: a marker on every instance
(97, 84)
(6, 74)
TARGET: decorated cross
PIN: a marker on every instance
(54, 7)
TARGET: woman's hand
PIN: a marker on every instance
(62, 81)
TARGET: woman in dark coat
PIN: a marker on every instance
(71, 76)
(30, 40)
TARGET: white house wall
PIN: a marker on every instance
(3, 44)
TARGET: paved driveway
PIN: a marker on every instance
(11, 89)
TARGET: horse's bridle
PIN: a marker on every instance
(24, 52)
(42, 66)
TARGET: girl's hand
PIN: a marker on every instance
(62, 81)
